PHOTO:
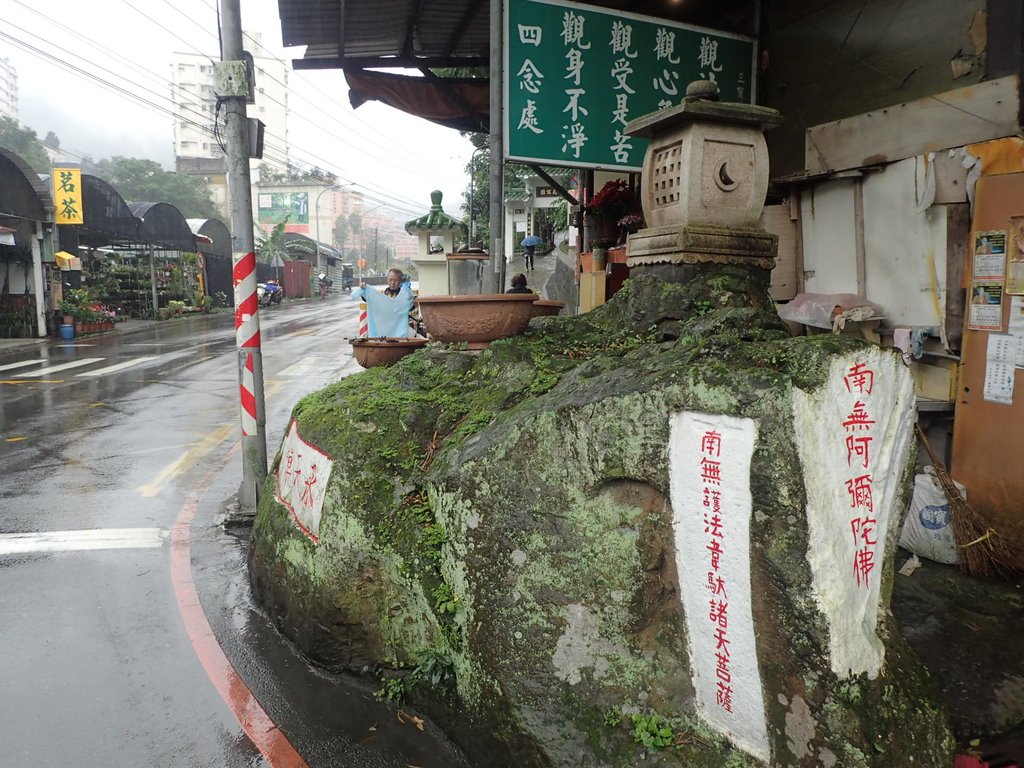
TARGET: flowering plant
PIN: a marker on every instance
(612, 201)
(631, 222)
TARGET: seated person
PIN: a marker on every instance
(519, 284)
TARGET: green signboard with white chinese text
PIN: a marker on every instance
(575, 75)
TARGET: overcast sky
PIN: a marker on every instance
(95, 72)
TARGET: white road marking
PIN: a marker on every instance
(22, 364)
(55, 368)
(304, 367)
(119, 366)
(70, 541)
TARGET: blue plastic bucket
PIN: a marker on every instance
(67, 331)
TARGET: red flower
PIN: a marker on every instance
(613, 200)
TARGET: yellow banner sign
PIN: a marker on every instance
(67, 195)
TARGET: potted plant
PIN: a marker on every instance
(611, 203)
(74, 305)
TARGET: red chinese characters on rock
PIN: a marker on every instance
(710, 468)
(301, 480)
(857, 427)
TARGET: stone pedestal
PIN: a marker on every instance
(694, 244)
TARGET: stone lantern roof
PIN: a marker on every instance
(435, 220)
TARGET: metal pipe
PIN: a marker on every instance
(497, 119)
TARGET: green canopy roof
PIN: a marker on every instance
(435, 220)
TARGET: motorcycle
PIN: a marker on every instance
(325, 285)
(269, 293)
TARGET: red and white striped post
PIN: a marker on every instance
(247, 320)
(250, 378)
(364, 323)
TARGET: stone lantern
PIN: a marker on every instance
(705, 176)
(432, 260)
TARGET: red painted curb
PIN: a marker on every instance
(257, 724)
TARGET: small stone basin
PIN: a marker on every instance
(384, 350)
(477, 319)
(547, 307)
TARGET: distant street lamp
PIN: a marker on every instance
(316, 212)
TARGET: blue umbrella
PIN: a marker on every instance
(532, 240)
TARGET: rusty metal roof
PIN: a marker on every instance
(354, 34)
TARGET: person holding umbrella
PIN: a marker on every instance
(530, 243)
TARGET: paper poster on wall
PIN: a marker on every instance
(1016, 327)
(986, 310)
(1015, 257)
(989, 256)
(999, 371)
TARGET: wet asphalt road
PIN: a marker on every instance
(97, 667)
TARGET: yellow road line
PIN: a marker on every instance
(179, 465)
(33, 382)
(14, 439)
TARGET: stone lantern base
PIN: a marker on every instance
(696, 244)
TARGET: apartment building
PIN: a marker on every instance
(8, 89)
(197, 149)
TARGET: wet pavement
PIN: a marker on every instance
(107, 444)
(967, 632)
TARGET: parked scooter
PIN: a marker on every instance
(269, 293)
(325, 284)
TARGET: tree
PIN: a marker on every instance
(355, 223)
(268, 246)
(341, 229)
(24, 143)
(52, 140)
(479, 170)
(296, 175)
(145, 181)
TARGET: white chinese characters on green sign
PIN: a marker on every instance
(576, 75)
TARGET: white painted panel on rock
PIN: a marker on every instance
(853, 435)
(301, 482)
(711, 507)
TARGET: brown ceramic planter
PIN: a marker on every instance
(477, 319)
(547, 307)
(385, 350)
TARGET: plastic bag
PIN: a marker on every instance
(928, 526)
(821, 309)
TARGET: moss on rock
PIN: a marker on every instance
(497, 533)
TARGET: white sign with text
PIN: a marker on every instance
(709, 460)
(302, 477)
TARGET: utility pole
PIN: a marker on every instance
(497, 203)
(233, 88)
(376, 258)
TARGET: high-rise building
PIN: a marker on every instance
(8, 89)
(197, 149)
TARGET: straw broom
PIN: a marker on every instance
(981, 550)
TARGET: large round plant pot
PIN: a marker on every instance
(547, 307)
(478, 319)
(385, 350)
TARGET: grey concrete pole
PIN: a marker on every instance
(252, 408)
(497, 212)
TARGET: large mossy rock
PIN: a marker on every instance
(497, 539)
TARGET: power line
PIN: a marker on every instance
(180, 111)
